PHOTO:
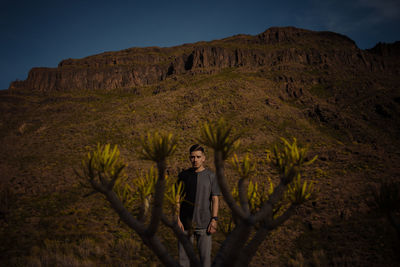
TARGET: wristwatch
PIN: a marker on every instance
(215, 218)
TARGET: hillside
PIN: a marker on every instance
(341, 101)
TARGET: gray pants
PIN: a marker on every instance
(203, 240)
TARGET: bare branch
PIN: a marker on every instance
(115, 177)
(242, 190)
(184, 240)
(283, 218)
(158, 199)
(102, 179)
(123, 213)
(274, 198)
(219, 166)
(228, 253)
(97, 186)
(395, 223)
(152, 241)
(248, 252)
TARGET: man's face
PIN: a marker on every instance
(197, 159)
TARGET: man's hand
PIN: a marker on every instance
(212, 227)
(181, 225)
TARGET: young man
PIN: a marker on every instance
(198, 214)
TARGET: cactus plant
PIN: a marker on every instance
(257, 208)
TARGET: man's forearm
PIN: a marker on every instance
(214, 206)
(212, 226)
(178, 220)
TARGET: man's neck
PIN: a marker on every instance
(200, 169)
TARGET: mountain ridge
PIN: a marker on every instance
(143, 66)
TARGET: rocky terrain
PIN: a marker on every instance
(341, 101)
(272, 49)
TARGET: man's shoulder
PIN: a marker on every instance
(209, 172)
(185, 173)
(188, 170)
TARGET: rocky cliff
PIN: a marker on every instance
(275, 49)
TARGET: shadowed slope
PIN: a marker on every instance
(319, 87)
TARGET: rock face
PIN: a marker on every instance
(276, 48)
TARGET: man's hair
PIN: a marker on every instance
(196, 147)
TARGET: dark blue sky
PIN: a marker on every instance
(42, 33)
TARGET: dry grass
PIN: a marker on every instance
(44, 136)
(86, 252)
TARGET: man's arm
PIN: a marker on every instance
(212, 226)
(178, 208)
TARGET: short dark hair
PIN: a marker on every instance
(196, 147)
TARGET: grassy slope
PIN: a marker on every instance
(43, 137)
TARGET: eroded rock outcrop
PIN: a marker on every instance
(277, 47)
